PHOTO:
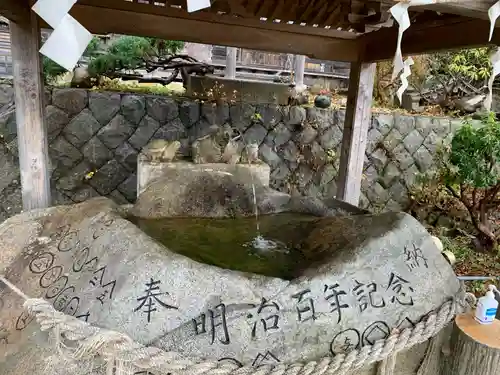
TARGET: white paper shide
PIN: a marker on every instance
(69, 39)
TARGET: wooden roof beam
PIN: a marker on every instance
(15, 10)
(101, 20)
(467, 8)
(226, 19)
(381, 45)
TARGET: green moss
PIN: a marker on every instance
(226, 243)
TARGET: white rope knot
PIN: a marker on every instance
(120, 351)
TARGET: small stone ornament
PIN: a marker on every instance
(161, 150)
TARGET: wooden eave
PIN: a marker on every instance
(343, 30)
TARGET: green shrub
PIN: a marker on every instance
(130, 52)
(126, 52)
(470, 172)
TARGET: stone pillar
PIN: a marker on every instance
(230, 71)
(300, 62)
(201, 52)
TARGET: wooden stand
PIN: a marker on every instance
(475, 348)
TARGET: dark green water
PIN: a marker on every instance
(225, 242)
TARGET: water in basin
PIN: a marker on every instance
(232, 243)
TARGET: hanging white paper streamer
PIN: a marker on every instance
(404, 78)
(400, 14)
(493, 13)
(67, 43)
(69, 39)
(495, 62)
(194, 5)
(52, 11)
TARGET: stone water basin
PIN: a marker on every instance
(344, 279)
(227, 243)
(299, 241)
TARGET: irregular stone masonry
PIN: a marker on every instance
(95, 137)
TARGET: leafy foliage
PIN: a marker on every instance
(51, 69)
(471, 65)
(129, 52)
(439, 77)
(126, 52)
(470, 172)
(475, 155)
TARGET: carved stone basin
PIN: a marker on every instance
(334, 283)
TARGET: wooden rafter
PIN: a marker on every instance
(14, 10)
(98, 18)
(380, 45)
(226, 19)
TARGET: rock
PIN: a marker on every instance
(255, 134)
(469, 104)
(145, 131)
(354, 280)
(321, 119)
(71, 181)
(116, 132)
(162, 109)
(241, 115)
(413, 141)
(271, 114)
(129, 187)
(84, 193)
(71, 101)
(322, 101)
(81, 128)
(206, 192)
(9, 168)
(423, 159)
(331, 137)
(108, 177)
(56, 120)
(8, 127)
(6, 94)
(127, 155)
(189, 113)
(195, 194)
(64, 153)
(173, 131)
(269, 156)
(307, 135)
(279, 135)
(391, 171)
(133, 108)
(96, 152)
(383, 122)
(405, 124)
(215, 114)
(81, 78)
(296, 116)
(104, 106)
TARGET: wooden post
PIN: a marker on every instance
(475, 348)
(357, 122)
(230, 63)
(300, 63)
(31, 132)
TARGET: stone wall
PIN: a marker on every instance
(95, 137)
